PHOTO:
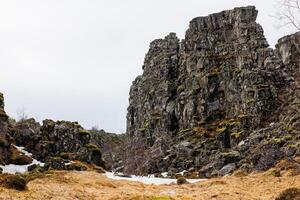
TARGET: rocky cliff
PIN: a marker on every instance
(5, 140)
(219, 100)
(9, 154)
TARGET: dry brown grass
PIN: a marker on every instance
(90, 185)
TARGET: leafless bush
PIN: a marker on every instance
(288, 13)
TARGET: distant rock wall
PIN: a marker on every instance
(288, 49)
(67, 140)
(3, 115)
(57, 143)
(200, 98)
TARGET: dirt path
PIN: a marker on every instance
(63, 185)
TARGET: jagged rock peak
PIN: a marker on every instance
(158, 47)
(198, 99)
(237, 15)
(3, 115)
(289, 48)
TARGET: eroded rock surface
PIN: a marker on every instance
(5, 140)
(67, 140)
(219, 100)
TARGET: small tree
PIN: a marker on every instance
(22, 116)
(289, 13)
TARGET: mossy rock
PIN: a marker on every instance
(287, 137)
(3, 114)
(214, 73)
(230, 155)
(21, 160)
(244, 116)
(66, 155)
(181, 181)
(99, 169)
(180, 89)
(3, 142)
(11, 181)
(200, 131)
(35, 169)
(83, 132)
(96, 151)
(289, 194)
(55, 158)
(229, 123)
(278, 141)
(221, 130)
(142, 129)
(275, 172)
(185, 130)
(91, 146)
(236, 135)
(1, 100)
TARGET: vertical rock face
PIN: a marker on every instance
(223, 69)
(151, 115)
(5, 140)
(3, 115)
(288, 49)
(199, 98)
(154, 92)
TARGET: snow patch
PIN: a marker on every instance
(12, 169)
(148, 179)
(164, 174)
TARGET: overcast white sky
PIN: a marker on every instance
(75, 59)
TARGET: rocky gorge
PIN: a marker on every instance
(218, 102)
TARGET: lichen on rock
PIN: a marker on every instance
(216, 91)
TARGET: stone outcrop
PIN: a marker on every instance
(5, 140)
(67, 140)
(58, 144)
(220, 99)
(9, 154)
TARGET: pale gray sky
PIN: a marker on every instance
(75, 59)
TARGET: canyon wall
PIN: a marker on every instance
(200, 102)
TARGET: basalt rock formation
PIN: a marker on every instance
(219, 100)
(60, 139)
(57, 143)
(111, 146)
(8, 152)
(5, 140)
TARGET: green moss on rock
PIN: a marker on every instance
(84, 132)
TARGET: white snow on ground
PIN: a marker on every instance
(182, 172)
(12, 169)
(164, 174)
(148, 179)
(21, 149)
